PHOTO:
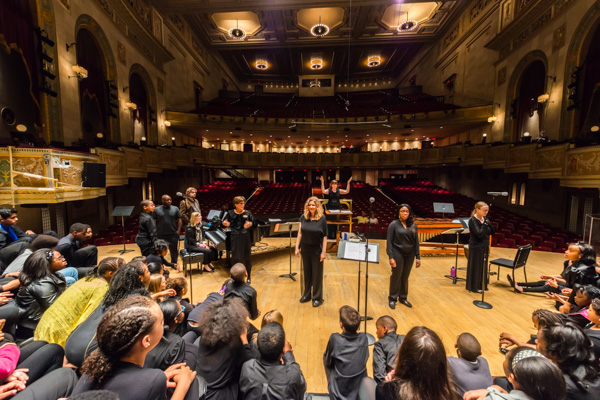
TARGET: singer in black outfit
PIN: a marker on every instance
(333, 195)
(195, 243)
(312, 240)
(479, 243)
(240, 221)
(402, 249)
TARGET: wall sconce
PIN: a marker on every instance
(542, 98)
(125, 88)
(167, 123)
(493, 118)
(484, 138)
(143, 141)
(131, 106)
(173, 140)
(80, 72)
(69, 45)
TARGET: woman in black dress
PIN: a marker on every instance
(402, 249)
(195, 243)
(312, 239)
(240, 221)
(479, 243)
(333, 195)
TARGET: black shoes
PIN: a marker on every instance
(392, 305)
(304, 299)
(406, 303)
(317, 303)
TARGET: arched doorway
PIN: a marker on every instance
(589, 121)
(143, 118)
(529, 113)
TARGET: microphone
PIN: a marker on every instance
(504, 194)
(179, 194)
(372, 199)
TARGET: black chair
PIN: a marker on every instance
(519, 261)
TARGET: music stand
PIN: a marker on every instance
(457, 231)
(288, 227)
(358, 251)
(122, 211)
(443, 208)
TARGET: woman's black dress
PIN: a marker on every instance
(311, 247)
(479, 243)
(241, 238)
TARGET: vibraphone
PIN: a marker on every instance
(430, 228)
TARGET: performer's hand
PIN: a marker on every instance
(323, 255)
(247, 224)
(389, 376)
(418, 263)
(320, 177)
(297, 252)
(393, 263)
(226, 223)
(349, 180)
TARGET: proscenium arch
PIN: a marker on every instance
(514, 84)
(578, 49)
(153, 127)
(110, 67)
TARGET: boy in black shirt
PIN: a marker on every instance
(147, 234)
(237, 287)
(346, 356)
(386, 348)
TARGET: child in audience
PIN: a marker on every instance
(386, 348)
(180, 286)
(540, 318)
(276, 369)
(346, 356)
(161, 248)
(238, 287)
(593, 328)
(533, 376)
(469, 371)
(146, 236)
(158, 288)
(583, 298)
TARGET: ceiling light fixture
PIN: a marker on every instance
(319, 30)
(316, 63)
(373, 61)
(408, 26)
(237, 33)
(261, 64)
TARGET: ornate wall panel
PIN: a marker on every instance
(520, 158)
(582, 168)
(153, 162)
(135, 163)
(116, 173)
(548, 162)
(496, 156)
(474, 155)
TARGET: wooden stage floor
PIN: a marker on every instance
(437, 303)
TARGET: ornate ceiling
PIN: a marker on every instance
(279, 32)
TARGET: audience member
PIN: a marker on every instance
(158, 288)
(346, 356)
(126, 334)
(469, 371)
(583, 298)
(593, 328)
(12, 238)
(168, 226)
(77, 303)
(276, 375)
(237, 287)
(541, 318)
(386, 348)
(147, 233)
(77, 256)
(159, 252)
(421, 370)
(180, 287)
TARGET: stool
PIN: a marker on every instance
(187, 259)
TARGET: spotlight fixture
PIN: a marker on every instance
(237, 33)
(319, 30)
(373, 61)
(408, 26)
(316, 63)
(261, 64)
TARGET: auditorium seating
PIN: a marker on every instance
(280, 198)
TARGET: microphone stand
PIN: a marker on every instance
(370, 338)
(484, 276)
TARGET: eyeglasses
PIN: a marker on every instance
(61, 258)
(180, 311)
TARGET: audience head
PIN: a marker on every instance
(222, 322)
(134, 326)
(594, 312)
(531, 372)
(349, 319)
(8, 216)
(468, 347)
(405, 213)
(272, 316)
(313, 208)
(271, 341)
(43, 242)
(570, 348)
(384, 325)
(481, 209)
(142, 270)
(542, 318)
(585, 294)
(41, 263)
(125, 282)
(157, 283)
(238, 272)
(148, 206)
(106, 268)
(194, 220)
(161, 247)
(156, 268)
(191, 191)
(587, 254)
(79, 231)
(172, 312)
(143, 259)
(423, 367)
(179, 285)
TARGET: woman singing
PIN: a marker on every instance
(402, 248)
(240, 221)
(312, 238)
(479, 242)
(195, 243)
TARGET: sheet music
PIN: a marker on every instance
(356, 251)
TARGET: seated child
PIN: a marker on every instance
(469, 371)
(386, 348)
(238, 287)
(346, 356)
(276, 369)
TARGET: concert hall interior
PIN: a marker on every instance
(106, 105)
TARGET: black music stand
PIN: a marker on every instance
(288, 227)
(456, 231)
(123, 211)
(358, 251)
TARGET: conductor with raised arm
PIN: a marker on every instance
(333, 195)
